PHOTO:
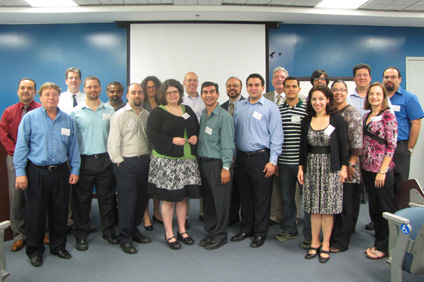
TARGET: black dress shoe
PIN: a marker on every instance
(204, 241)
(128, 248)
(240, 237)
(157, 220)
(311, 256)
(173, 245)
(149, 227)
(63, 254)
(141, 239)
(257, 242)
(112, 239)
(81, 245)
(215, 243)
(322, 259)
(186, 240)
(36, 261)
(370, 226)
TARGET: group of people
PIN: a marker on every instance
(245, 157)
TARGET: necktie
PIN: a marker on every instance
(75, 100)
(25, 110)
(278, 100)
(231, 111)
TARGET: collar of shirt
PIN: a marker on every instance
(282, 95)
(84, 105)
(261, 100)
(58, 114)
(192, 98)
(128, 108)
(399, 91)
(31, 105)
(285, 105)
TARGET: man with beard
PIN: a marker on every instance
(114, 91)
(92, 120)
(129, 150)
(234, 86)
(408, 114)
(8, 135)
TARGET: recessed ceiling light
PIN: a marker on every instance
(339, 4)
(51, 3)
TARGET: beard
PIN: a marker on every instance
(389, 87)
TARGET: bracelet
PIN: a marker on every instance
(344, 170)
(352, 165)
(382, 172)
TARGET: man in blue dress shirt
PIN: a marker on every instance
(408, 114)
(92, 121)
(46, 141)
(259, 137)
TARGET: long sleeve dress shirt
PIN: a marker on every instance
(44, 141)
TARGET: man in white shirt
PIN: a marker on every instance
(73, 96)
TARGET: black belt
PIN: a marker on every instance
(49, 167)
(320, 149)
(402, 141)
(208, 159)
(248, 154)
(97, 156)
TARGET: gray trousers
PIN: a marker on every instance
(17, 203)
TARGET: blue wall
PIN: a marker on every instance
(336, 49)
(44, 52)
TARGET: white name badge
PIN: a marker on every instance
(131, 123)
(295, 118)
(329, 130)
(257, 115)
(396, 108)
(208, 130)
(106, 116)
(65, 131)
(377, 118)
(185, 116)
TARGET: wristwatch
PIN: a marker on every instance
(273, 163)
(226, 168)
(410, 150)
(352, 165)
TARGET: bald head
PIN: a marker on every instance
(191, 83)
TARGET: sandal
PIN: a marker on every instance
(312, 255)
(369, 250)
(324, 259)
(376, 255)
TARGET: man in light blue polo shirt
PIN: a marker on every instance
(259, 137)
(92, 121)
(408, 113)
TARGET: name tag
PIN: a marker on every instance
(185, 116)
(131, 123)
(396, 108)
(208, 130)
(65, 131)
(329, 130)
(295, 118)
(106, 116)
(376, 118)
(257, 115)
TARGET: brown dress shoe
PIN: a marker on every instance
(19, 244)
(46, 239)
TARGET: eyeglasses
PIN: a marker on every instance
(151, 87)
(362, 75)
(339, 90)
(319, 79)
(279, 76)
(175, 92)
(91, 87)
(233, 85)
(392, 77)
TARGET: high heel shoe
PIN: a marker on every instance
(311, 256)
(323, 259)
(187, 240)
(149, 227)
(157, 220)
(173, 245)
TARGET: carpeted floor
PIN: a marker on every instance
(275, 261)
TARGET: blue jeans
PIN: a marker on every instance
(288, 179)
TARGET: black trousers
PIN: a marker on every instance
(402, 160)
(356, 198)
(94, 171)
(216, 198)
(235, 200)
(255, 192)
(342, 228)
(48, 190)
(131, 176)
(380, 200)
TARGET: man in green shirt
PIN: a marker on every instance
(215, 151)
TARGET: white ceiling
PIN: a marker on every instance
(373, 12)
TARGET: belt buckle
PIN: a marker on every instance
(97, 156)
(52, 167)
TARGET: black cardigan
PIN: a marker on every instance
(338, 143)
(162, 127)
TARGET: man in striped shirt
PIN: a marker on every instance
(292, 112)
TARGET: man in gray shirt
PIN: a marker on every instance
(129, 150)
